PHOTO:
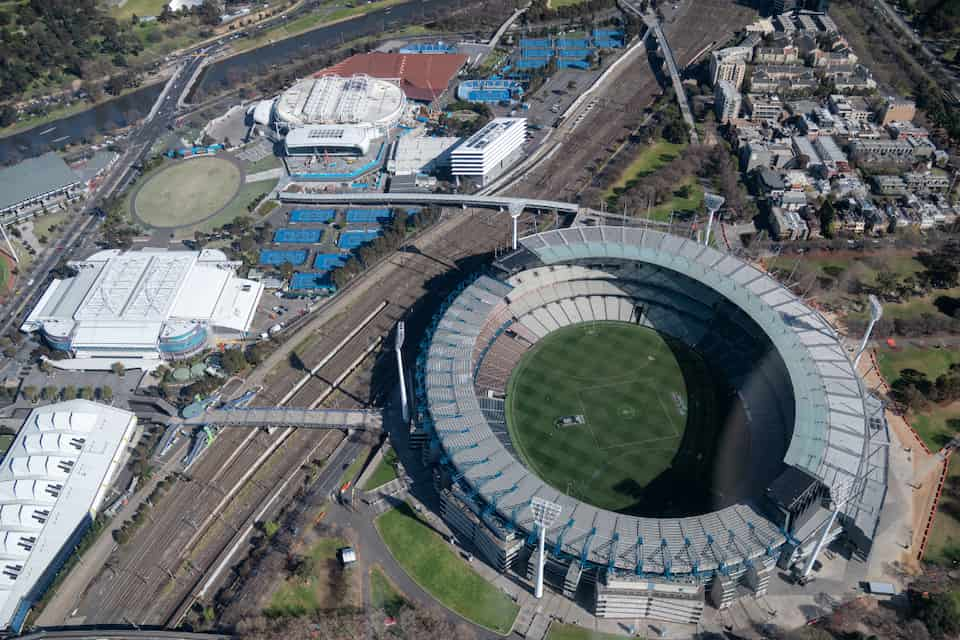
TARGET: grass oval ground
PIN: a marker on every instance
(625, 381)
(187, 192)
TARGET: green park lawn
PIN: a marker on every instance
(297, 597)
(573, 632)
(43, 225)
(351, 472)
(384, 473)
(383, 595)
(436, 567)
(187, 191)
(649, 160)
(688, 196)
(142, 8)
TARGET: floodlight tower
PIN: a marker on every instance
(713, 202)
(545, 514)
(876, 312)
(516, 209)
(398, 345)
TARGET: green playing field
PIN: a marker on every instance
(638, 437)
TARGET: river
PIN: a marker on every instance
(118, 112)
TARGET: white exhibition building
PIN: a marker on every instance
(487, 152)
(53, 481)
(146, 305)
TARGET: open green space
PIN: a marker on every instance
(140, 8)
(187, 192)
(263, 164)
(5, 274)
(688, 196)
(573, 632)
(351, 472)
(649, 160)
(383, 595)
(430, 561)
(297, 596)
(384, 473)
(237, 207)
(43, 225)
(628, 384)
(931, 424)
(943, 545)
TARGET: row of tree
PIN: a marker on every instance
(50, 393)
(914, 389)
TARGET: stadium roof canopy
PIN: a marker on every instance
(333, 99)
(422, 77)
(33, 178)
(123, 302)
(832, 437)
(53, 480)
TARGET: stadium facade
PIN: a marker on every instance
(333, 114)
(53, 481)
(146, 305)
(817, 439)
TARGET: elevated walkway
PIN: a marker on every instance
(362, 419)
(440, 199)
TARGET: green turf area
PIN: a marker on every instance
(384, 473)
(5, 274)
(631, 387)
(943, 545)
(688, 196)
(142, 8)
(298, 597)
(649, 160)
(383, 595)
(437, 568)
(44, 225)
(573, 632)
(187, 191)
(351, 472)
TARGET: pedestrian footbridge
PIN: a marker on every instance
(361, 419)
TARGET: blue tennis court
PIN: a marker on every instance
(298, 236)
(354, 239)
(312, 215)
(327, 261)
(367, 216)
(311, 282)
(280, 256)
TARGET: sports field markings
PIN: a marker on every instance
(666, 413)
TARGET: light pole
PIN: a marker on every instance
(713, 202)
(876, 312)
(398, 345)
(515, 211)
(545, 514)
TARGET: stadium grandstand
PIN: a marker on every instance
(490, 90)
(53, 482)
(798, 438)
(145, 305)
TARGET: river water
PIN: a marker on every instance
(119, 112)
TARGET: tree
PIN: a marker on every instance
(118, 368)
(106, 393)
(233, 361)
(69, 392)
(887, 284)
(286, 270)
(940, 612)
(85, 392)
(30, 393)
(49, 393)
(8, 115)
(828, 217)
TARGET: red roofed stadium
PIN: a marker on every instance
(422, 77)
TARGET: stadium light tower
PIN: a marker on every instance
(515, 210)
(876, 312)
(398, 345)
(713, 202)
(545, 513)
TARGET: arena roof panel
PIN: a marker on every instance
(422, 77)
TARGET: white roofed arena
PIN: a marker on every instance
(333, 114)
(146, 305)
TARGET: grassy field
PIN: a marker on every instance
(627, 383)
(437, 568)
(688, 196)
(943, 545)
(383, 595)
(187, 191)
(43, 225)
(5, 275)
(384, 473)
(351, 472)
(142, 8)
(931, 424)
(573, 632)
(650, 159)
(297, 597)
(237, 207)
(556, 4)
